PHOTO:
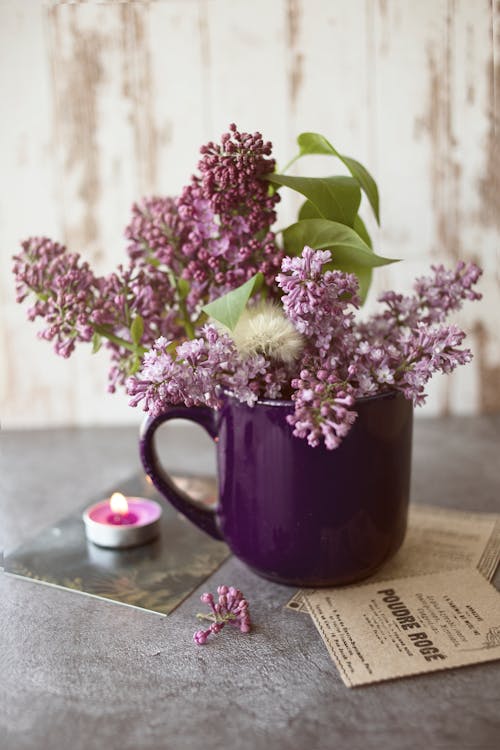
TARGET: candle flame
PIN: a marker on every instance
(118, 503)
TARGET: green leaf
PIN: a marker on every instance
(336, 198)
(96, 343)
(365, 281)
(359, 227)
(200, 320)
(363, 273)
(136, 330)
(366, 183)
(172, 348)
(314, 143)
(346, 245)
(135, 365)
(227, 309)
(183, 287)
(309, 211)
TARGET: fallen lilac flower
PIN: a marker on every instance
(231, 608)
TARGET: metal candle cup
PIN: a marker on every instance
(136, 522)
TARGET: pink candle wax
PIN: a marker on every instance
(140, 511)
(137, 523)
(122, 519)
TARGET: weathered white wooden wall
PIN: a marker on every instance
(104, 102)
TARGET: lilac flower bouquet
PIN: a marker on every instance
(214, 298)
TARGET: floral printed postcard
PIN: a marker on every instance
(156, 576)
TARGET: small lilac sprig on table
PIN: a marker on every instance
(230, 609)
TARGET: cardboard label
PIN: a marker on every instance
(409, 626)
(438, 540)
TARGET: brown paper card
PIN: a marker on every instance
(409, 626)
(437, 540)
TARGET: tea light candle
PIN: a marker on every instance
(122, 521)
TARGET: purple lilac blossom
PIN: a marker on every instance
(401, 347)
(76, 304)
(322, 407)
(397, 349)
(154, 232)
(66, 291)
(274, 383)
(127, 293)
(226, 213)
(428, 351)
(230, 609)
(435, 298)
(319, 303)
(217, 234)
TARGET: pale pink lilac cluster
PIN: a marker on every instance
(343, 359)
(193, 372)
(402, 346)
(435, 298)
(319, 302)
(398, 349)
(323, 406)
(230, 609)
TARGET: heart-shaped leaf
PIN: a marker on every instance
(227, 309)
(346, 245)
(335, 198)
(314, 143)
(309, 211)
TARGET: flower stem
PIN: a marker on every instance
(102, 331)
(292, 161)
(201, 616)
(186, 321)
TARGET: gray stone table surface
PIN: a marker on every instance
(79, 673)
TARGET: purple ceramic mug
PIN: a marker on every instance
(295, 514)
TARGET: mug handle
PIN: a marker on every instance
(204, 518)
